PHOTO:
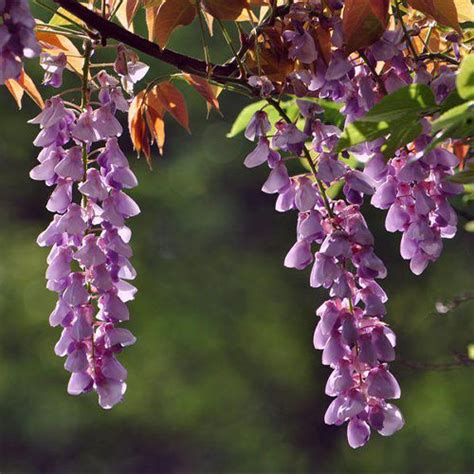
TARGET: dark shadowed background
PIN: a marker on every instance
(224, 377)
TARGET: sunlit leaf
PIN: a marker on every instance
(16, 91)
(131, 10)
(363, 22)
(225, 9)
(465, 79)
(443, 11)
(204, 88)
(465, 10)
(170, 15)
(360, 132)
(172, 102)
(138, 127)
(407, 101)
(459, 121)
(54, 44)
(463, 177)
(63, 18)
(17, 88)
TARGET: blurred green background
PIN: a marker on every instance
(223, 377)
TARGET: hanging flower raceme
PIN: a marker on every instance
(88, 265)
(412, 186)
(17, 38)
(356, 343)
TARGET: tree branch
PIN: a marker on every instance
(460, 361)
(108, 29)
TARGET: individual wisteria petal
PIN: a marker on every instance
(110, 392)
(90, 254)
(85, 129)
(358, 433)
(360, 182)
(299, 256)
(105, 122)
(258, 156)
(258, 126)
(61, 197)
(80, 382)
(306, 195)
(72, 165)
(94, 187)
(302, 45)
(76, 294)
(392, 420)
(382, 384)
(277, 181)
(112, 155)
(121, 178)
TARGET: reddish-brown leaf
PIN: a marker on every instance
(225, 9)
(31, 89)
(23, 84)
(172, 101)
(206, 90)
(156, 125)
(150, 18)
(443, 11)
(15, 90)
(363, 22)
(170, 15)
(138, 127)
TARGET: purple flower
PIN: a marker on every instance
(382, 384)
(71, 166)
(302, 45)
(258, 126)
(94, 187)
(358, 433)
(17, 38)
(54, 67)
(258, 156)
(299, 256)
(277, 181)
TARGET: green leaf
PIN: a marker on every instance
(401, 136)
(409, 101)
(359, 132)
(463, 177)
(459, 121)
(465, 79)
(470, 351)
(469, 227)
(63, 18)
(453, 100)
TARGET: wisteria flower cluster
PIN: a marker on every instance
(355, 341)
(88, 265)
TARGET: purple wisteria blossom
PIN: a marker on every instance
(89, 262)
(355, 341)
(17, 38)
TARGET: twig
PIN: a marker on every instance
(107, 29)
(404, 28)
(461, 361)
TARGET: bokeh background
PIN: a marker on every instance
(223, 377)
